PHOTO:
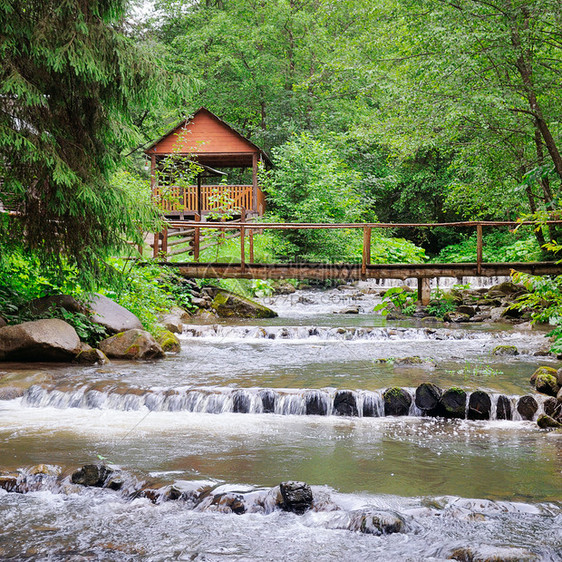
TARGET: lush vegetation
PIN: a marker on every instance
(395, 110)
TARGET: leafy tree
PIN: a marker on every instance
(482, 77)
(67, 82)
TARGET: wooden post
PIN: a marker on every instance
(424, 290)
(196, 241)
(479, 245)
(165, 244)
(242, 252)
(155, 244)
(366, 250)
(251, 238)
(199, 196)
(255, 182)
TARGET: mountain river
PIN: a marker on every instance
(229, 412)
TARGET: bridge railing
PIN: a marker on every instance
(247, 229)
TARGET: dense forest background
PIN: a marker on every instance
(394, 110)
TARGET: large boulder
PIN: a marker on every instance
(132, 344)
(174, 319)
(543, 371)
(42, 340)
(397, 402)
(546, 422)
(112, 316)
(231, 305)
(546, 384)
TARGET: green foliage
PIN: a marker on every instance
(147, 291)
(397, 298)
(67, 82)
(441, 302)
(498, 246)
(87, 330)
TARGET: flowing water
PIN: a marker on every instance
(232, 412)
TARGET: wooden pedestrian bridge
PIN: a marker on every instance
(193, 235)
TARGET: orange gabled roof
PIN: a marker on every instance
(204, 133)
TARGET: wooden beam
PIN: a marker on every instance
(424, 290)
(196, 239)
(479, 246)
(352, 272)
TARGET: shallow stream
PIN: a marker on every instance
(200, 416)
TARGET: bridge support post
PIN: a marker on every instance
(424, 290)
(196, 241)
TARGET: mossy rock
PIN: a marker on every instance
(543, 371)
(169, 342)
(231, 305)
(546, 422)
(505, 350)
(546, 384)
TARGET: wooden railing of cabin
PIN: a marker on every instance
(175, 199)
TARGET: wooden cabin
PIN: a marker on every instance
(212, 144)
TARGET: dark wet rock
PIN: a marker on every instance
(11, 392)
(543, 371)
(42, 340)
(297, 497)
(479, 406)
(315, 404)
(231, 305)
(547, 422)
(552, 407)
(397, 402)
(453, 403)
(268, 398)
(466, 309)
(228, 503)
(115, 483)
(456, 317)
(10, 482)
(511, 313)
(487, 553)
(505, 350)
(112, 316)
(408, 361)
(241, 402)
(488, 302)
(527, 407)
(376, 522)
(503, 408)
(169, 342)
(3, 322)
(92, 475)
(91, 356)
(427, 398)
(546, 384)
(283, 288)
(345, 403)
(132, 344)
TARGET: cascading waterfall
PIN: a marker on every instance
(283, 402)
